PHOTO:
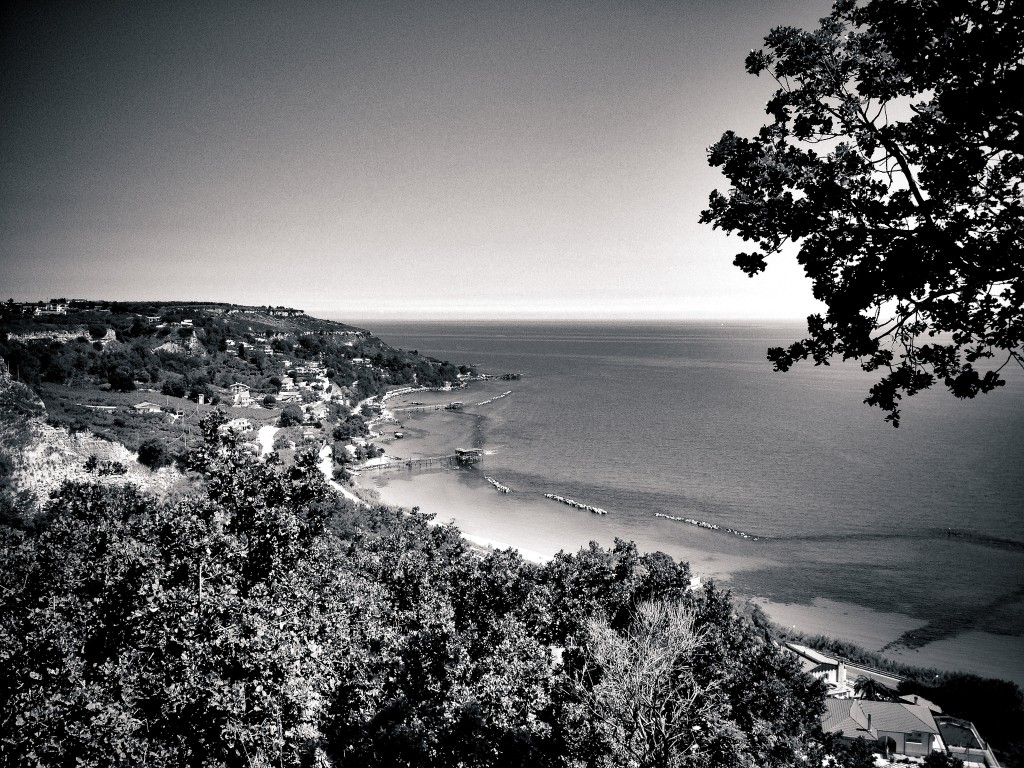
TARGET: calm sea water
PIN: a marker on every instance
(689, 420)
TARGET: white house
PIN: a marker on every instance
(240, 394)
(831, 671)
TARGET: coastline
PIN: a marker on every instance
(488, 518)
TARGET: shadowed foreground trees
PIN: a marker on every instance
(893, 163)
(261, 620)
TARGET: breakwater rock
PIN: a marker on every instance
(575, 504)
(501, 488)
(706, 524)
(496, 397)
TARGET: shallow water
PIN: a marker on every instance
(923, 523)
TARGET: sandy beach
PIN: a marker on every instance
(539, 528)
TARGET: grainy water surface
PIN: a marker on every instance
(689, 420)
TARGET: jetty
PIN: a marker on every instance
(461, 457)
(450, 460)
(575, 504)
(420, 407)
(707, 525)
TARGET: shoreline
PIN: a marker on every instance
(489, 518)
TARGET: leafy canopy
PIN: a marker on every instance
(894, 162)
(259, 619)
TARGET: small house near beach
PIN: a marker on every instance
(896, 727)
(468, 455)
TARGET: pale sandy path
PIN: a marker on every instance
(265, 437)
(325, 465)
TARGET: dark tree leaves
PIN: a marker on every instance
(893, 163)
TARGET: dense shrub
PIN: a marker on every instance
(261, 619)
(290, 416)
(154, 454)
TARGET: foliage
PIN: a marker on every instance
(598, 582)
(869, 688)
(153, 453)
(137, 632)
(729, 697)
(261, 619)
(638, 691)
(894, 162)
(942, 760)
(291, 415)
(857, 754)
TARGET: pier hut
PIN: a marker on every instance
(468, 455)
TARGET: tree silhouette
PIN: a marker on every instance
(893, 164)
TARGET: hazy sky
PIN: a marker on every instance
(378, 158)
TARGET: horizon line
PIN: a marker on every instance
(465, 315)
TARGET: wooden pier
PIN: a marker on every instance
(456, 406)
(419, 463)
(460, 458)
(416, 408)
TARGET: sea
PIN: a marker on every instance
(810, 503)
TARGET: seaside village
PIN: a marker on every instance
(861, 703)
(278, 392)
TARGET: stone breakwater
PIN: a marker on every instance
(575, 504)
(501, 488)
(496, 397)
(706, 524)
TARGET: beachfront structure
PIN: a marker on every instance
(468, 455)
(896, 727)
(830, 671)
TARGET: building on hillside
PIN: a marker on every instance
(317, 411)
(147, 407)
(240, 394)
(896, 727)
(238, 425)
(52, 309)
(830, 671)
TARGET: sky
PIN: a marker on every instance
(384, 159)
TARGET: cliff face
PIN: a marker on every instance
(16, 399)
(41, 457)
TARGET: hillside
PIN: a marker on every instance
(138, 374)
